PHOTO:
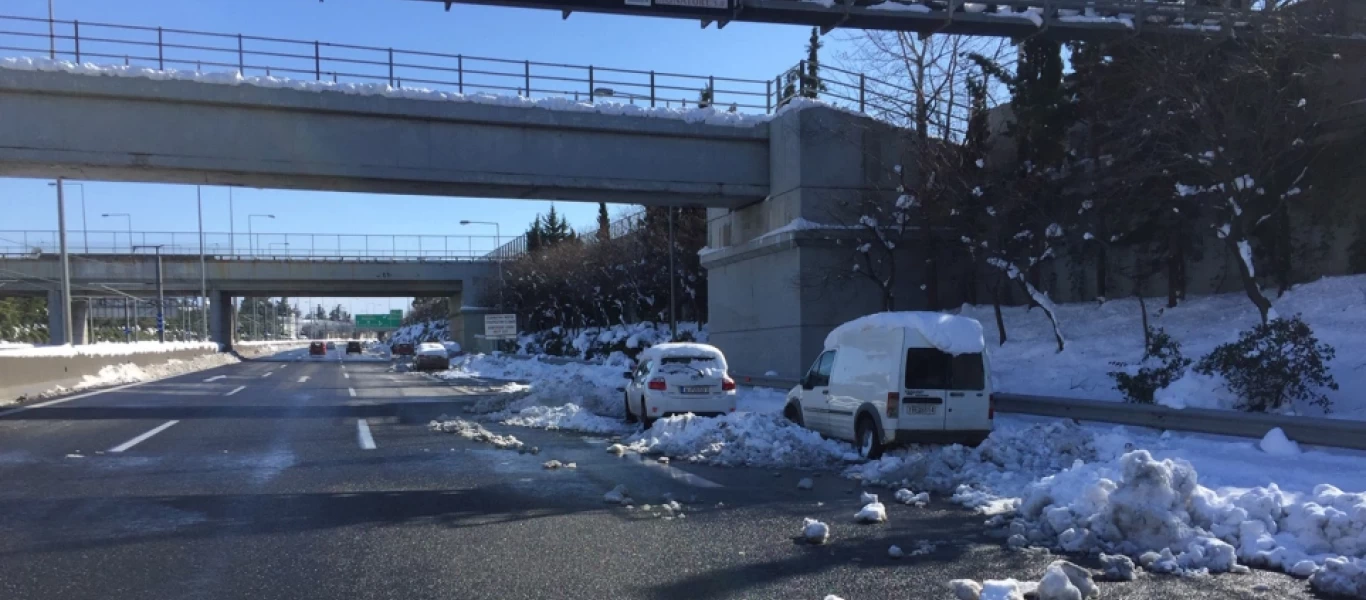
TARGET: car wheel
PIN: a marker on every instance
(630, 418)
(794, 413)
(868, 438)
(645, 419)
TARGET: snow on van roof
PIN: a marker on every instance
(682, 349)
(950, 333)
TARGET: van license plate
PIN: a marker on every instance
(696, 389)
(921, 409)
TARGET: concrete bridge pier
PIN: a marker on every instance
(222, 319)
(56, 325)
(776, 289)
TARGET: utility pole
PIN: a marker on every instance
(673, 306)
(66, 263)
(203, 273)
(232, 227)
(51, 33)
(161, 296)
(127, 307)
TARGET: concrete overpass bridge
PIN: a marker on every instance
(228, 277)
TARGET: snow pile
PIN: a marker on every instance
(476, 432)
(950, 333)
(687, 350)
(709, 116)
(1117, 567)
(618, 495)
(107, 349)
(1275, 443)
(910, 498)
(815, 532)
(126, 373)
(568, 416)
(1061, 580)
(806, 483)
(872, 512)
(597, 342)
(1112, 332)
(593, 387)
(740, 439)
(425, 331)
(895, 552)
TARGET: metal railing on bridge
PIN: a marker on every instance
(264, 246)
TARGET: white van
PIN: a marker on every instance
(898, 378)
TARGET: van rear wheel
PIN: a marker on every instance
(868, 438)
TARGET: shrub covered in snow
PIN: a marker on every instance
(1162, 364)
(600, 342)
(1273, 365)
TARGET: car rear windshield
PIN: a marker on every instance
(931, 369)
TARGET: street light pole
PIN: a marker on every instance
(232, 225)
(51, 33)
(66, 266)
(127, 311)
(673, 307)
(498, 243)
(251, 241)
(85, 224)
(203, 272)
(161, 296)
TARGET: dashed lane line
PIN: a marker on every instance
(144, 437)
(215, 378)
(303, 379)
(367, 441)
(352, 391)
(238, 389)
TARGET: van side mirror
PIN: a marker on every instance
(806, 381)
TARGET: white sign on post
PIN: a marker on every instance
(500, 327)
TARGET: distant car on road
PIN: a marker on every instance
(353, 347)
(331, 346)
(678, 378)
(317, 349)
(402, 349)
(898, 378)
(431, 357)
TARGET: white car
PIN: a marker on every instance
(678, 378)
(898, 378)
(431, 356)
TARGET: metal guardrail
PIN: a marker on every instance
(275, 246)
(166, 48)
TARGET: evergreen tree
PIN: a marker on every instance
(535, 235)
(604, 224)
(811, 84)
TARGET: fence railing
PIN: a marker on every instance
(618, 228)
(166, 48)
(297, 246)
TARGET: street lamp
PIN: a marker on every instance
(127, 308)
(498, 242)
(85, 229)
(251, 240)
(161, 296)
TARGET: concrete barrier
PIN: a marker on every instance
(250, 351)
(29, 376)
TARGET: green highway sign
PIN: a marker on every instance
(389, 321)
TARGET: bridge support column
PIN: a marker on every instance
(80, 322)
(222, 319)
(773, 297)
(466, 325)
(80, 311)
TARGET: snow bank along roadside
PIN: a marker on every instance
(107, 349)
(130, 373)
(1099, 334)
(23, 377)
(1176, 503)
(709, 116)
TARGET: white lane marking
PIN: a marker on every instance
(215, 378)
(367, 441)
(346, 375)
(76, 397)
(283, 366)
(142, 438)
(239, 388)
(303, 379)
(352, 390)
(268, 373)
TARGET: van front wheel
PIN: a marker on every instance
(868, 438)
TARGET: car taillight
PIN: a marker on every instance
(991, 406)
(892, 399)
(658, 384)
(727, 384)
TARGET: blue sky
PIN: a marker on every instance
(739, 50)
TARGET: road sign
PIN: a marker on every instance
(383, 321)
(500, 327)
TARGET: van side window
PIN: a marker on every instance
(967, 373)
(820, 370)
(927, 369)
(931, 369)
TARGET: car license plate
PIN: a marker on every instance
(921, 409)
(696, 389)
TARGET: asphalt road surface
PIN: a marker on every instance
(297, 477)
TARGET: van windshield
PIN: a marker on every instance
(931, 369)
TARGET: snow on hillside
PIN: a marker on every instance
(597, 342)
(1097, 335)
(426, 331)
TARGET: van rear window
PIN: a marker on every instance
(931, 369)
